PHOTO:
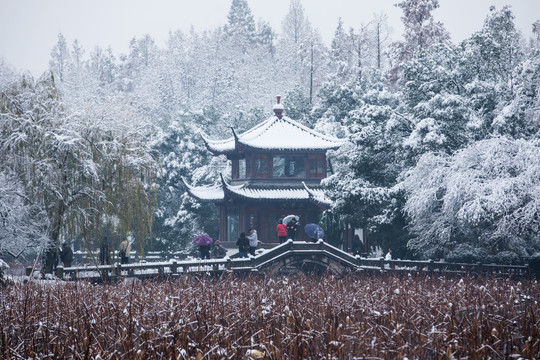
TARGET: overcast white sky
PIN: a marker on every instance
(29, 28)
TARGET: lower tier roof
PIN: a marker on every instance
(220, 193)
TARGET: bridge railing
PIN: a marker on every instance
(299, 249)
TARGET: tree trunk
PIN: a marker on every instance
(50, 255)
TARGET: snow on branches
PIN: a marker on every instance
(483, 203)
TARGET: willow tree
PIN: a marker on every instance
(86, 168)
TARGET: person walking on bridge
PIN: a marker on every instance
(253, 241)
(292, 228)
(281, 230)
(243, 245)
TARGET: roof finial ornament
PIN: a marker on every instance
(278, 108)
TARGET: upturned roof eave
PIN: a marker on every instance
(323, 201)
(193, 192)
(238, 143)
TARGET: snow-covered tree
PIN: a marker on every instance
(421, 29)
(295, 27)
(481, 204)
(301, 55)
(380, 39)
(341, 54)
(535, 41)
(241, 25)
(519, 116)
(22, 225)
(298, 106)
(103, 66)
(78, 168)
(495, 50)
(421, 32)
(60, 58)
(435, 95)
(179, 217)
(367, 167)
(491, 59)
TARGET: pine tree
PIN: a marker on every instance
(60, 58)
(241, 25)
(421, 32)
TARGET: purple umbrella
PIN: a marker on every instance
(202, 239)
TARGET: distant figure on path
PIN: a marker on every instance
(205, 251)
(356, 245)
(125, 249)
(66, 255)
(50, 260)
(281, 230)
(243, 245)
(253, 241)
(218, 252)
(388, 255)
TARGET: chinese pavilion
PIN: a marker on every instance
(277, 168)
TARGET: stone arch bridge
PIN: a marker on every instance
(287, 258)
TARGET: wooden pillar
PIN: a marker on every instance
(223, 224)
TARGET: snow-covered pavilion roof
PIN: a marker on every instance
(219, 193)
(278, 133)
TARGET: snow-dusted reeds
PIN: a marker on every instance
(293, 317)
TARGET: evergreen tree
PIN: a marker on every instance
(60, 58)
(178, 217)
(241, 25)
(368, 166)
(421, 32)
(340, 50)
(436, 103)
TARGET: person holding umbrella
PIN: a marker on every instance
(204, 242)
(314, 231)
(292, 229)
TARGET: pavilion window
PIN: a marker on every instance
(234, 168)
(291, 166)
(261, 165)
(316, 167)
(242, 171)
(232, 227)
